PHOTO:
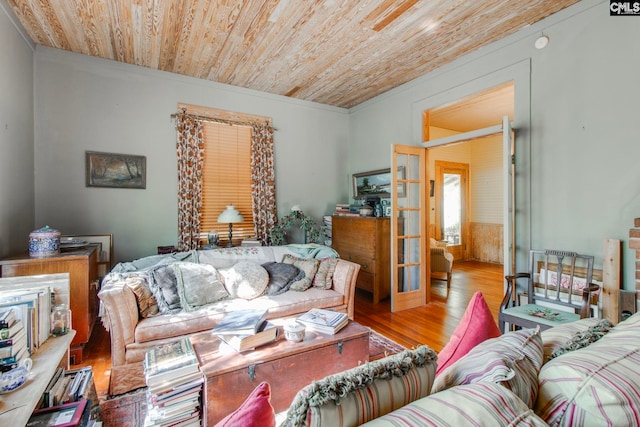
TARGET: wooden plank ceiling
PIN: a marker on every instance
(334, 52)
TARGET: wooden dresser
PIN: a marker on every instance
(365, 241)
(82, 266)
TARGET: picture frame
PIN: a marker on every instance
(115, 170)
(66, 415)
(376, 183)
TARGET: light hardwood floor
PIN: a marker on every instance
(432, 324)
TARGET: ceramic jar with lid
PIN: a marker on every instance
(44, 242)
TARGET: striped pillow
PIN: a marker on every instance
(512, 360)
(597, 385)
(480, 404)
(358, 395)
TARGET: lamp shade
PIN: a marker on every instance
(230, 215)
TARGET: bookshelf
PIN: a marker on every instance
(16, 407)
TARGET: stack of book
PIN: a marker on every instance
(245, 330)
(13, 340)
(174, 385)
(344, 209)
(324, 321)
(251, 241)
(32, 306)
(327, 228)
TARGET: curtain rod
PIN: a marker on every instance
(218, 120)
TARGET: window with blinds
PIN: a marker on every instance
(226, 180)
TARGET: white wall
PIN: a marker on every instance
(16, 137)
(85, 103)
(577, 139)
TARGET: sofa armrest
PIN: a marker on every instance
(344, 281)
(120, 315)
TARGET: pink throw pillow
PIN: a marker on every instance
(255, 411)
(476, 325)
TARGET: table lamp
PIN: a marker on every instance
(230, 215)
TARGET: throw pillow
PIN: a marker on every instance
(477, 325)
(324, 276)
(281, 276)
(198, 284)
(255, 411)
(512, 360)
(365, 392)
(594, 386)
(308, 266)
(246, 280)
(147, 305)
(164, 286)
(485, 404)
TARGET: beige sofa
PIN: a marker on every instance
(132, 334)
(585, 373)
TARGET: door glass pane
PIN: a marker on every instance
(452, 205)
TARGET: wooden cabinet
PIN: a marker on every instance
(366, 241)
(82, 266)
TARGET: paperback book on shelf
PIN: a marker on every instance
(7, 317)
(268, 332)
(324, 321)
(170, 361)
(241, 322)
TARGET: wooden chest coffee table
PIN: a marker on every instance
(286, 366)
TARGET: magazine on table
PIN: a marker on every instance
(324, 321)
(241, 322)
(267, 333)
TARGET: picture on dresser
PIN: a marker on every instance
(115, 170)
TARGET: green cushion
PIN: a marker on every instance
(542, 315)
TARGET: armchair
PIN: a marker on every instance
(441, 259)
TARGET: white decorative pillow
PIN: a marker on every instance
(198, 285)
(486, 404)
(246, 280)
(512, 360)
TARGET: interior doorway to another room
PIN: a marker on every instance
(472, 170)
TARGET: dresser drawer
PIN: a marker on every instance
(366, 264)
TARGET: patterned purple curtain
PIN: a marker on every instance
(263, 180)
(190, 148)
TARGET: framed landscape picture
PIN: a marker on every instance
(376, 183)
(115, 170)
(373, 183)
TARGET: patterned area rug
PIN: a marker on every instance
(129, 409)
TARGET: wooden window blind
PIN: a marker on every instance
(226, 180)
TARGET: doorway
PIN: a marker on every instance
(473, 169)
(451, 205)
